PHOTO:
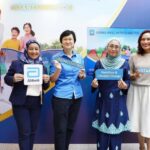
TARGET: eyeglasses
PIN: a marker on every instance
(113, 46)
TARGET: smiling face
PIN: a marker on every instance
(145, 42)
(113, 48)
(27, 29)
(68, 42)
(33, 51)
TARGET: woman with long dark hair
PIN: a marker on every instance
(138, 100)
(29, 35)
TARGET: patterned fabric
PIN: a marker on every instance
(112, 62)
(107, 141)
(111, 114)
(112, 129)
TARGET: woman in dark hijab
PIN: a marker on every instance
(26, 99)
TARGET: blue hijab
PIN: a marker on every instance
(26, 58)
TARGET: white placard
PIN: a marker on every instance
(33, 74)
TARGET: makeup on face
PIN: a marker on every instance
(33, 51)
(145, 42)
(113, 48)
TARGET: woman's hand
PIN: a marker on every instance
(135, 75)
(57, 65)
(122, 84)
(18, 77)
(94, 83)
(82, 74)
(46, 78)
(57, 72)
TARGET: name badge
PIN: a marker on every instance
(109, 74)
(33, 74)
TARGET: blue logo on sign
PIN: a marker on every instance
(33, 72)
(92, 32)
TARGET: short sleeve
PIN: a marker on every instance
(52, 67)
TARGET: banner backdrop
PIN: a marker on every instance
(98, 38)
(49, 18)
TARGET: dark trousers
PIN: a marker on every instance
(105, 141)
(65, 114)
(27, 117)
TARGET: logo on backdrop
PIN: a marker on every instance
(92, 32)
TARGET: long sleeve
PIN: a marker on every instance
(95, 68)
(126, 76)
(9, 75)
(45, 85)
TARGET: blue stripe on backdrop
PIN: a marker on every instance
(134, 15)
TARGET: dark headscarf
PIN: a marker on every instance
(26, 58)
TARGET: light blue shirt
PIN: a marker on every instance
(68, 83)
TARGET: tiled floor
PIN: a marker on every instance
(72, 147)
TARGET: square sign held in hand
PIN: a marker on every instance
(33, 74)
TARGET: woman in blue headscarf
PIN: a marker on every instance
(111, 116)
(26, 99)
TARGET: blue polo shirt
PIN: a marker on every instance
(68, 83)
